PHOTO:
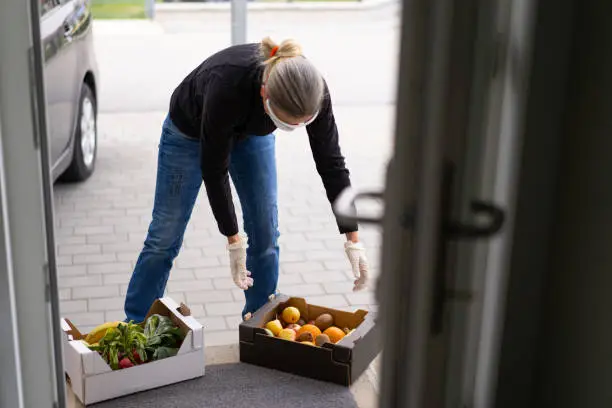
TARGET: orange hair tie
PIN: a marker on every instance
(273, 52)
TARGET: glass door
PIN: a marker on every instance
(449, 199)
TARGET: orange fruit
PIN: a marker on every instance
(291, 314)
(310, 343)
(335, 334)
(309, 328)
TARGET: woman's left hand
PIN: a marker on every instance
(359, 263)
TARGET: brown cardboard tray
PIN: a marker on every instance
(341, 363)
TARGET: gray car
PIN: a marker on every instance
(71, 81)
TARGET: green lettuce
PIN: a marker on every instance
(164, 338)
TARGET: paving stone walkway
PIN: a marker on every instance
(101, 225)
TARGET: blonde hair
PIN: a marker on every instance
(293, 84)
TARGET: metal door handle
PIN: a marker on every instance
(458, 230)
(453, 230)
(345, 210)
(68, 31)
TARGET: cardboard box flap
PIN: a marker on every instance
(70, 330)
(168, 307)
(368, 320)
(182, 313)
(187, 344)
(181, 316)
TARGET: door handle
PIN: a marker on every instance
(68, 31)
(496, 217)
(345, 206)
(345, 210)
(450, 230)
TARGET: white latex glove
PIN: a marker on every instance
(237, 252)
(359, 263)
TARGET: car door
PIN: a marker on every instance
(61, 83)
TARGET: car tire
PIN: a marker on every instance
(85, 139)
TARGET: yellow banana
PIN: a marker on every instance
(96, 334)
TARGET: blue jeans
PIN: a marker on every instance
(179, 177)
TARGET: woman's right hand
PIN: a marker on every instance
(237, 246)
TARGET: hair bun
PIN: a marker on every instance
(287, 49)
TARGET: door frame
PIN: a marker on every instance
(411, 220)
(27, 247)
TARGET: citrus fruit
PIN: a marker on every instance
(310, 328)
(291, 314)
(335, 334)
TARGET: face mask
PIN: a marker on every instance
(287, 127)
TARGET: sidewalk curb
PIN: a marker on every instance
(274, 6)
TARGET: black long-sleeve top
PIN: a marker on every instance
(219, 102)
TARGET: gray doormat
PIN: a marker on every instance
(240, 386)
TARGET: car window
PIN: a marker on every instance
(47, 5)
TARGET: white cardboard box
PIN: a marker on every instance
(92, 380)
